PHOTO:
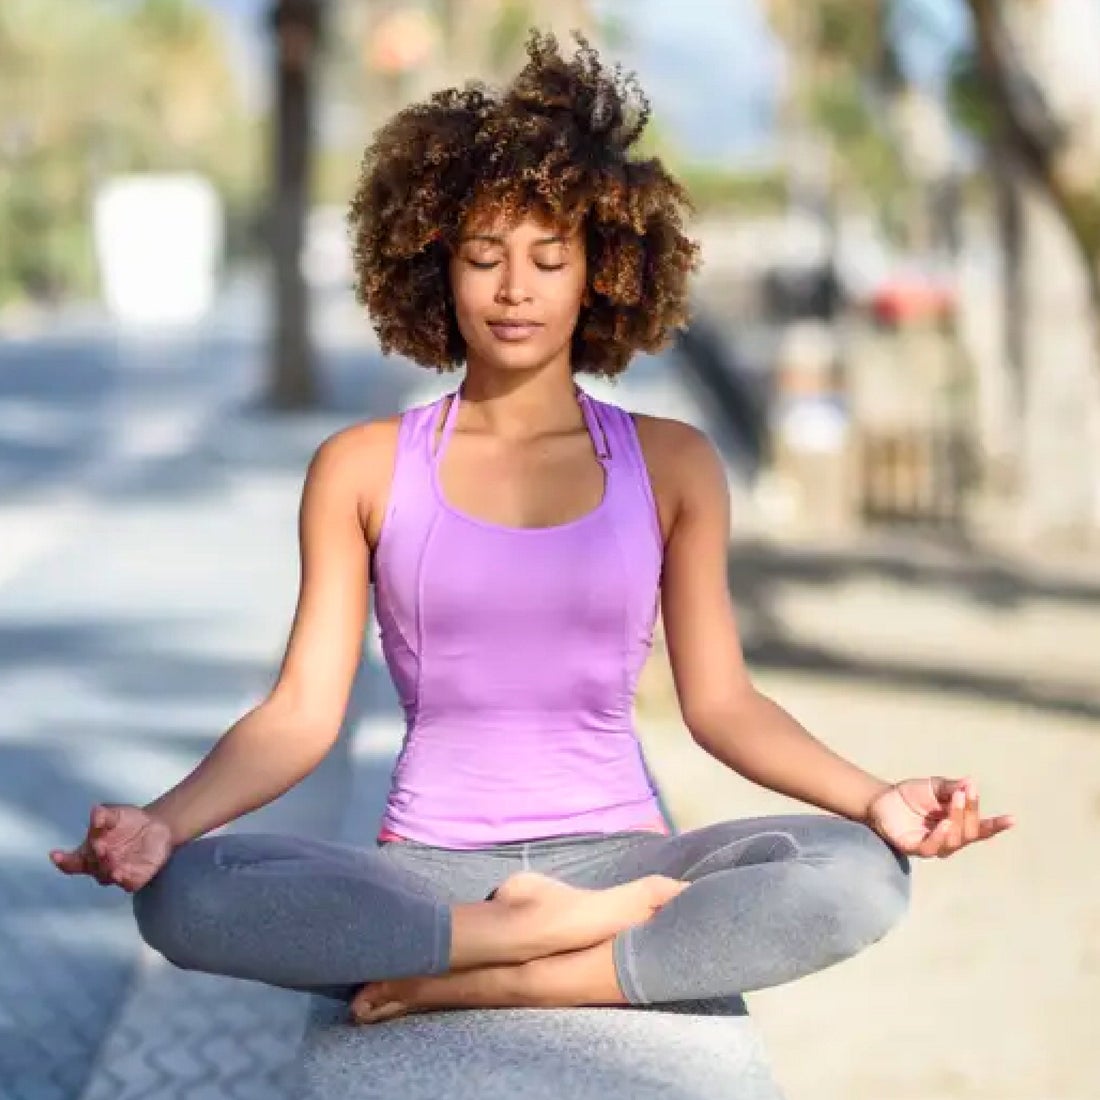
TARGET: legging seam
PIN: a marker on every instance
(441, 960)
(623, 949)
(694, 868)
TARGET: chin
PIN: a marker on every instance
(514, 359)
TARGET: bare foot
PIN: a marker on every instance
(557, 917)
(567, 917)
(486, 987)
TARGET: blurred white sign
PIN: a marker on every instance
(159, 241)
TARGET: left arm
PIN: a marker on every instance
(724, 712)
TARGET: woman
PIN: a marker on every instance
(520, 535)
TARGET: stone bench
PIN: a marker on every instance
(683, 1051)
(692, 1050)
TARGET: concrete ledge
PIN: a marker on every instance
(705, 1050)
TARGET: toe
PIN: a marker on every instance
(388, 1011)
(368, 997)
(377, 1010)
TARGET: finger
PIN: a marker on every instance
(991, 826)
(972, 821)
(944, 838)
(956, 818)
(104, 818)
(124, 880)
(943, 788)
(97, 860)
(101, 876)
(71, 863)
(952, 840)
(933, 843)
(100, 860)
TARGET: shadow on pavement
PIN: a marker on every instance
(761, 574)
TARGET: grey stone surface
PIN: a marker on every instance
(661, 1053)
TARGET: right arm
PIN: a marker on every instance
(282, 739)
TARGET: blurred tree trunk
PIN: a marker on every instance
(292, 382)
(1048, 152)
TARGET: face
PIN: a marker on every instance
(517, 291)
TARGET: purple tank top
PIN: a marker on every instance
(516, 652)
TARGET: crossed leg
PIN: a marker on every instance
(771, 899)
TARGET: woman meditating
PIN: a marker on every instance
(520, 536)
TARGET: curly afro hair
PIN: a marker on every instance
(555, 144)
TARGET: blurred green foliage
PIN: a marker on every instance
(715, 189)
(838, 86)
(90, 89)
(969, 99)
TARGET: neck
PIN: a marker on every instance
(516, 404)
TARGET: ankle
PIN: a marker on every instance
(493, 933)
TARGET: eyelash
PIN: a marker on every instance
(485, 266)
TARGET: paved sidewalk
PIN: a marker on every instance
(142, 610)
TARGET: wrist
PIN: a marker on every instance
(163, 819)
(874, 792)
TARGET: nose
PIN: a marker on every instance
(511, 287)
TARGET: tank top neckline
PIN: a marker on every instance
(596, 432)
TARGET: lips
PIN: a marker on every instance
(513, 330)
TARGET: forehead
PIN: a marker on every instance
(526, 226)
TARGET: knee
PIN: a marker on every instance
(176, 902)
(869, 886)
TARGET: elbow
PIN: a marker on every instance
(318, 729)
(719, 718)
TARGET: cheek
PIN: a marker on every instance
(471, 300)
(566, 303)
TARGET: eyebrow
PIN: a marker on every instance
(500, 240)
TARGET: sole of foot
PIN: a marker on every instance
(559, 917)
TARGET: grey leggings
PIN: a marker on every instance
(772, 899)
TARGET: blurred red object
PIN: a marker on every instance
(912, 297)
(402, 41)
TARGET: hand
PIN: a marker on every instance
(125, 846)
(933, 816)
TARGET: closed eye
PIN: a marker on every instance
(486, 265)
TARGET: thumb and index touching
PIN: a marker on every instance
(75, 861)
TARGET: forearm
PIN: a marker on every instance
(261, 756)
(764, 743)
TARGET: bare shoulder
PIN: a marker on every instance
(357, 451)
(672, 442)
(677, 454)
(357, 463)
(682, 463)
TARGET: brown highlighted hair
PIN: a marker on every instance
(556, 144)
